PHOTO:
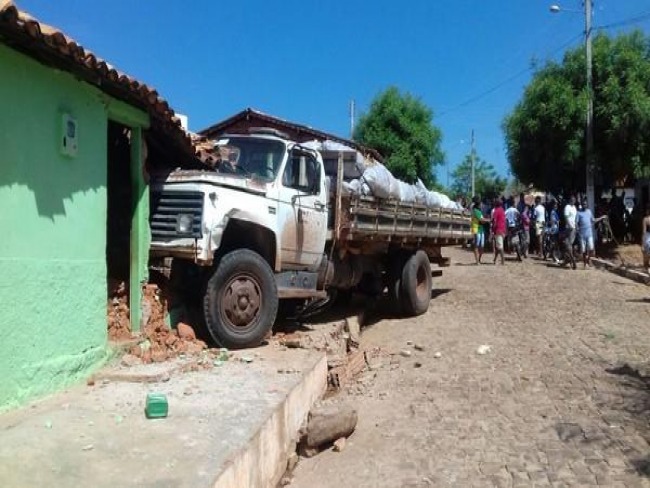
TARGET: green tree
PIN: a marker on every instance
(545, 132)
(400, 127)
(487, 183)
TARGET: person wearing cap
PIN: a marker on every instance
(584, 223)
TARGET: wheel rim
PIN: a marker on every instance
(241, 301)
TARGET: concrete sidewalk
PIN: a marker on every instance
(229, 426)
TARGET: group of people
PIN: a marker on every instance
(567, 224)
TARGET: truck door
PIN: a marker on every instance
(303, 210)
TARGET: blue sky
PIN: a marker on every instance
(304, 60)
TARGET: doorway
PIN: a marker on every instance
(119, 216)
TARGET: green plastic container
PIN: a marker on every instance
(157, 406)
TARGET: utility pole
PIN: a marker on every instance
(351, 118)
(473, 157)
(590, 167)
(589, 132)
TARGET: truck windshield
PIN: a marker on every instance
(249, 157)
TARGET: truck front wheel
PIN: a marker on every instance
(241, 300)
(416, 284)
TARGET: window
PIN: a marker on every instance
(302, 172)
(250, 157)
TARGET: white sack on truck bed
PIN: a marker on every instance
(352, 187)
(407, 192)
(381, 182)
(377, 181)
(421, 193)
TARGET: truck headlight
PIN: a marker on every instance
(184, 224)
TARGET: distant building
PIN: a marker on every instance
(248, 119)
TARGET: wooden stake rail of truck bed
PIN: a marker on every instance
(366, 217)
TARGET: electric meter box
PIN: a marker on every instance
(69, 136)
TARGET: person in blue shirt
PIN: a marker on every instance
(585, 224)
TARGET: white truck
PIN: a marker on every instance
(267, 224)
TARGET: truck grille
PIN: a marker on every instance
(168, 207)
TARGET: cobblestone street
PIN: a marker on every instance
(560, 399)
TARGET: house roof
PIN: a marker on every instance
(52, 47)
(251, 113)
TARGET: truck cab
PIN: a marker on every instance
(261, 181)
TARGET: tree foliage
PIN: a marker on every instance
(545, 132)
(487, 183)
(400, 127)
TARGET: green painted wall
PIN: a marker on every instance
(52, 228)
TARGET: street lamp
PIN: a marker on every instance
(589, 128)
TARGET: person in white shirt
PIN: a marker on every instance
(570, 214)
(540, 221)
(512, 214)
(513, 219)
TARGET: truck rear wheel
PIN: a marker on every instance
(416, 284)
(241, 300)
(394, 282)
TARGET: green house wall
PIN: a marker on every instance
(53, 211)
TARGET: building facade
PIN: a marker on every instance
(73, 202)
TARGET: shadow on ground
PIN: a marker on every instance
(631, 410)
(367, 310)
(623, 427)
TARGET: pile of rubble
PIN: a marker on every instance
(340, 341)
(160, 342)
(157, 342)
(119, 325)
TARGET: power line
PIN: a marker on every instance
(506, 81)
(643, 16)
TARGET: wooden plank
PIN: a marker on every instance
(342, 375)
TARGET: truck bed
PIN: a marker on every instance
(367, 225)
(363, 217)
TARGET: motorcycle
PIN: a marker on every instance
(517, 242)
(556, 247)
(551, 246)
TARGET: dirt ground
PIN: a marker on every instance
(559, 398)
(624, 254)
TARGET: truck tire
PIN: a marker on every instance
(241, 300)
(416, 284)
(394, 283)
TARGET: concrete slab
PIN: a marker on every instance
(229, 426)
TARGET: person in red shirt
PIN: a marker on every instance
(499, 230)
